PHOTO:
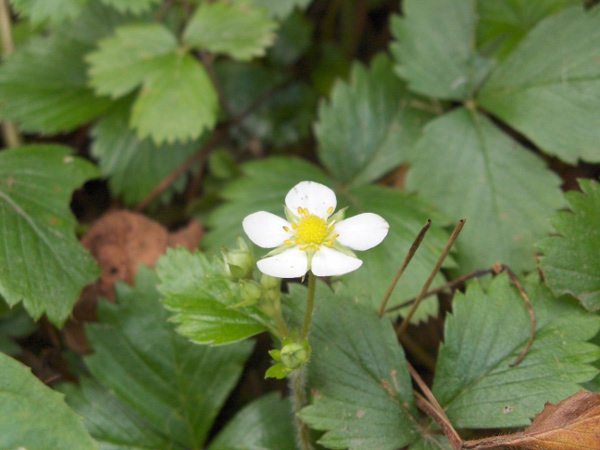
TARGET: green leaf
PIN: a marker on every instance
(469, 168)
(358, 378)
(41, 261)
(35, 417)
(406, 215)
(434, 49)
(174, 385)
(549, 86)
(112, 423)
(126, 59)
(39, 11)
(177, 101)
(571, 264)
(263, 188)
(15, 323)
(369, 126)
(235, 29)
(264, 424)
(132, 6)
(135, 167)
(474, 382)
(201, 294)
(503, 24)
(280, 9)
(43, 86)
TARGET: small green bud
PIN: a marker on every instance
(269, 282)
(294, 355)
(239, 263)
(250, 291)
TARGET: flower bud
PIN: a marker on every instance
(251, 292)
(239, 262)
(295, 355)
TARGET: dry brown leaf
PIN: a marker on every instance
(573, 424)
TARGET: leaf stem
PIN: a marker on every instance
(407, 259)
(310, 303)
(298, 398)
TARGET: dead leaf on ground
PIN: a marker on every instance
(573, 424)
(120, 241)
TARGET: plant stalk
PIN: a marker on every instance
(310, 303)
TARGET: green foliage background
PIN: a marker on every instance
(413, 109)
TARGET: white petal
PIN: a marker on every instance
(328, 262)
(316, 197)
(266, 229)
(292, 263)
(362, 232)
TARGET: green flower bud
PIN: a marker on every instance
(239, 263)
(295, 355)
(251, 292)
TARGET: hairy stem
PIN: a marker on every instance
(298, 398)
(310, 303)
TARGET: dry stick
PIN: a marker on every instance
(449, 285)
(435, 270)
(409, 256)
(433, 409)
(10, 132)
(519, 286)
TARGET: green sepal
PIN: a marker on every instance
(338, 216)
(278, 371)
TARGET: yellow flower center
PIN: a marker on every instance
(312, 230)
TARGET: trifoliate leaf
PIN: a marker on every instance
(111, 422)
(33, 416)
(43, 86)
(126, 59)
(280, 9)
(172, 384)
(177, 101)
(370, 125)
(41, 262)
(549, 86)
(358, 378)
(39, 11)
(135, 167)
(469, 168)
(571, 263)
(132, 6)
(434, 50)
(265, 423)
(474, 381)
(201, 294)
(406, 215)
(503, 24)
(273, 111)
(239, 29)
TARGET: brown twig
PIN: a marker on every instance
(411, 252)
(434, 272)
(433, 409)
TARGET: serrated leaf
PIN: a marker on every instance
(177, 101)
(135, 167)
(469, 168)
(132, 6)
(33, 416)
(503, 24)
(280, 9)
(548, 88)
(474, 382)
(126, 59)
(41, 262)
(571, 263)
(434, 50)
(174, 385)
(39, 11)
(369, 126)
(235, 29)
(111, 422)
(358, 378)
(43, 86)
(199, 291)
(406, 215)
(265, 423)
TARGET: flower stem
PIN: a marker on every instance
(310, 303)
(280, 322)
(298, 398)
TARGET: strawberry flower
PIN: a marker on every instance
(312, 237)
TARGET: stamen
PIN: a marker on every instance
(294, 226)
(329, 210)
(335, 236)
(329, 243)
(304, 248)
(286, 229)
(300, 211)
(331, 228)
(287, 242)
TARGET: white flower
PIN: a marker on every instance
(312, 238)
